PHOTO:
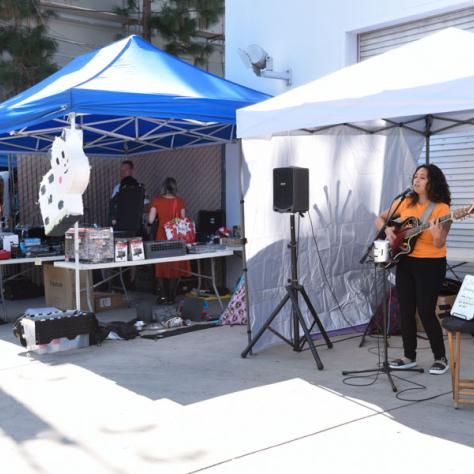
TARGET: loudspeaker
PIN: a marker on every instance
(208, 223)
(290, 189)
(127, 209)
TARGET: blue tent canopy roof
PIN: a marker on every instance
(128, 97)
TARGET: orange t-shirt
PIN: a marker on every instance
(424, 247)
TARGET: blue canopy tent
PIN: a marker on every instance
(129, 97)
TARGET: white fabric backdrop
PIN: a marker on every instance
(352, 177)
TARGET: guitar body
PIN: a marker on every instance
(403, 243)
(408, 231)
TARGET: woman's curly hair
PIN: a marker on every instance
(437, 187)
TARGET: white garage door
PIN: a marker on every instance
(453, 153)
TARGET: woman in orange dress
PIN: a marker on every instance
(164, 208)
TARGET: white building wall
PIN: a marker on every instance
(311, 37)
(81, 26)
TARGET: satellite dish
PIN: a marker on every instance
(257, 59)
(247, 60)
(258, 56)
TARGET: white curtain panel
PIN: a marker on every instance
(353, 176)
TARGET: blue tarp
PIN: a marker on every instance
(129, 97)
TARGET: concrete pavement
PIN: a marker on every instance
(190, 403)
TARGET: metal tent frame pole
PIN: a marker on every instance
(428, 123)
(244, 240)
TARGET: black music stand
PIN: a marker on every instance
(292, 291)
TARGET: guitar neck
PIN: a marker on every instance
(419, 229)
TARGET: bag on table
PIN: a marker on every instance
(180, 228)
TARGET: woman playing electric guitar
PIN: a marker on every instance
(419, 275)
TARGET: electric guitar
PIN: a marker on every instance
(408, 231)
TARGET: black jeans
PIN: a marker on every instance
(418, 284)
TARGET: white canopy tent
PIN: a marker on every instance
(360, 131)
(408, 86)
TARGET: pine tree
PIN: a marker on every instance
(178, 23)
(25, 51)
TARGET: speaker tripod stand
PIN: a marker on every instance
(293, 289)
(385, 368)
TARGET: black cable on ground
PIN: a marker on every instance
(374, 377)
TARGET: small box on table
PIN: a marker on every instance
(136, 251)
(121, 250)
(96, 245)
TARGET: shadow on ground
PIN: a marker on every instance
(205, 365)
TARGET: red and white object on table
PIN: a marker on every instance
(181, 229)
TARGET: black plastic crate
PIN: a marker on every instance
(164, 248)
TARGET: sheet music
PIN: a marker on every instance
(464, 305)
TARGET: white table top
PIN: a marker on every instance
(35, 260)
(189, 256)
(460, 255)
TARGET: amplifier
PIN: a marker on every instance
(164, 248)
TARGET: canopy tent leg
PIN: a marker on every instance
(428, 123)
(12, 193)
(244, 241)
(76, 266)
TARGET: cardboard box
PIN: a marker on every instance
(59, 287)
(443, 307)
(106, 301)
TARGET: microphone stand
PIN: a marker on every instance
(380, 235)
(385, 368)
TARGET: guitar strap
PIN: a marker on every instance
(426, 215)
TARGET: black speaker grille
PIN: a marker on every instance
(290, 189)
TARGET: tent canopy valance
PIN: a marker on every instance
(426, 86)
(129, 97)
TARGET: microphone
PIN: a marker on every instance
(405, 193)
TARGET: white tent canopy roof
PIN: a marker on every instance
(433, 77)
